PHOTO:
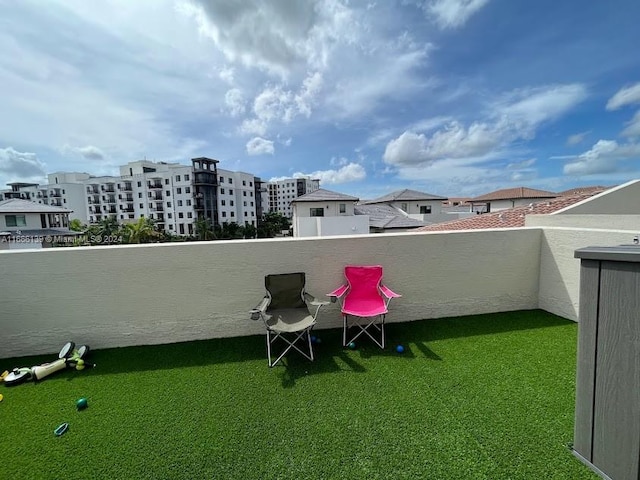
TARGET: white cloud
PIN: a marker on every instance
(20, 166)
(254, 126)
(514, 116)
(226, 74)
(604, 157)
(577, 138)
(260, 146)
(273, 36)
(276, 103)
(235, 102)
(455, 141)
(88, 152)
(527, 108)
(521, 165)
(453, 13)
(625, 96)
(632, 126)
(351, 172)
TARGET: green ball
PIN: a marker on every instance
(81, 404)
(352, 346)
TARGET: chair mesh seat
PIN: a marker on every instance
(289, 319)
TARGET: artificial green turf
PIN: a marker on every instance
(482, 397)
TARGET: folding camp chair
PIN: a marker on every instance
(285, 313)
(365, 301)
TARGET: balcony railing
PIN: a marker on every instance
(126, 187)
(154, 185)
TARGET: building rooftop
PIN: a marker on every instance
(322, 195)
(509, 218)
(405, 195)
(16, 205)
(513, 193)
(387, 217)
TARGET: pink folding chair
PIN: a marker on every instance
(365, 301)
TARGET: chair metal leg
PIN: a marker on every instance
(366, 329)
(344, 330)
(290, 344)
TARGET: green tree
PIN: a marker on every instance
(231, 230)
(77, 226)
(273, 223)
(204, 230)
(142, 231)
(250, 231)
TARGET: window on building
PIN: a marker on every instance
(244, 194)
(233, 214)
(230, 180)
(224, 214)
(245, 214)
(252, 204)
(425, 208)
(231, 191)
(343, 208)
(142, 205)
(188, 203)
(189, 215)
(222, 191)
(231, 202)
(168, 204)
(316, 212)
(179, 191)
(168, 193)
(403, 207)
(131, 215)
(186, 178)
(177, 178)
(179, 203)
(169, 215)
(245, 204)
(244, 182)
(139, 184)
(170, 227)
(166, 181)
(16, 220)
(140, 194)
(221, 179)
(187, 189)
(180, 215)
(181, 228)
(223, 202)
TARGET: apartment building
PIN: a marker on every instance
(172, 194)
(279, 194)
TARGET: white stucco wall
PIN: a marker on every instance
(331, 209)
(615, 222)
(621, 200)
(497, 205)
(148, 294)
(32, 220)
(330, 226)
(560, 271)
(413, 206)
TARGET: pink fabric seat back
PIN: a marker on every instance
(364, 298)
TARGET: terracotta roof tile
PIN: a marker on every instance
(509, 218)
(510, 193)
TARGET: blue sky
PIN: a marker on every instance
(451, 97)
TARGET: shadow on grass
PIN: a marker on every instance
(330, 355)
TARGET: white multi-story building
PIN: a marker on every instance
(172, 194)
(280, 193)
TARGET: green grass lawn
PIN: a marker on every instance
(482, 397)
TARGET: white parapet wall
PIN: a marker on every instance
(560, 271)
(163, 293)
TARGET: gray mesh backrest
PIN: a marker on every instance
(286, 290)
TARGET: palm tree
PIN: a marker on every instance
(142, 231)
(203, 229)
(77, 226)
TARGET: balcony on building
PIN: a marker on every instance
(126, 187)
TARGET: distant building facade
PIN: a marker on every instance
(279, 194)
(175, 196)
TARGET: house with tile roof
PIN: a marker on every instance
(28, 225)
(596, 207)
(509, 198)
(326, 213)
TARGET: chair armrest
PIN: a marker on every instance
(260, 309)
(338, 292)
(311, 300)
(387, 292)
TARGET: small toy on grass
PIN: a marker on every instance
(82, 403)
(68, 357)
(352, 345)
(400, 349)
(62, 428)
(1, 397)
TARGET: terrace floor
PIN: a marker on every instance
(482, 397)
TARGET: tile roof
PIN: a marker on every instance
(386, 216)
(405, 195)
(582, 190)
(512, 193)
(17, 205)
(509, 218)
(322, 195)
